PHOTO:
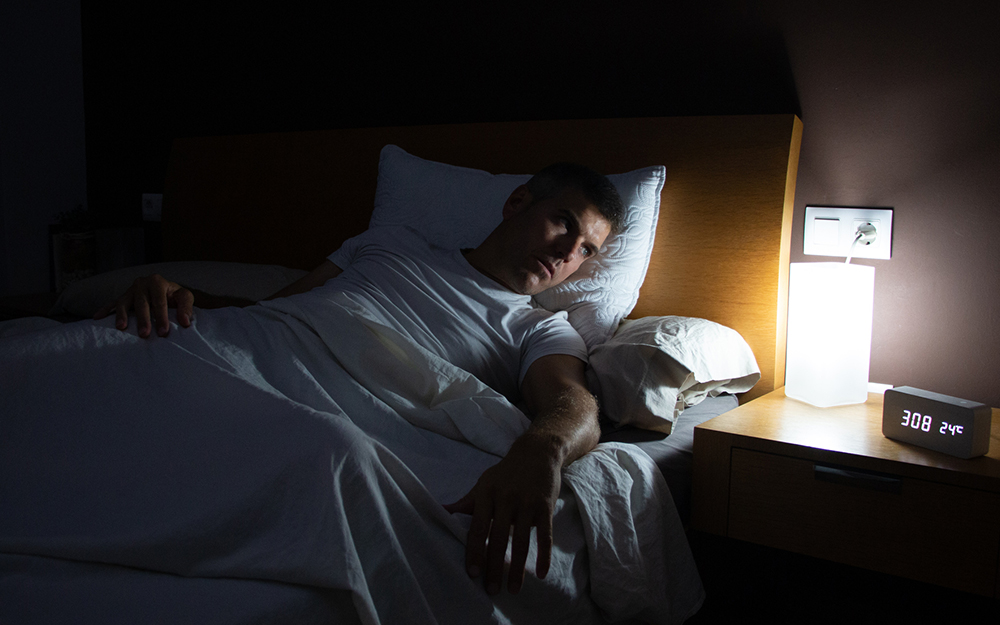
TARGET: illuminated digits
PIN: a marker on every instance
(950, 427)
(906, 418)
(926, 424)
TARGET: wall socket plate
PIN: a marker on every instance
(152, 204)
(830, 231)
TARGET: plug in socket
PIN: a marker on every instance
(818, 240)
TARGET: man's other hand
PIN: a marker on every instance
(149, 298)
(510, 498)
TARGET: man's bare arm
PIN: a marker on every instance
(520, 491)
(150, 297)
(316, 277)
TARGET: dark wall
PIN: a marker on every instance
(42, 149)
(898, 103)
(152, 75)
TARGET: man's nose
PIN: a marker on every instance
(567, 246)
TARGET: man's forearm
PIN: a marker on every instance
(563, 411)
(564, 427)
(208, 300)
(317, 277)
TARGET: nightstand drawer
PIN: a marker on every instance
(932, 532)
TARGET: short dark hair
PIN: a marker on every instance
(598, 190)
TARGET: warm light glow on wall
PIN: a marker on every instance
(829, 333)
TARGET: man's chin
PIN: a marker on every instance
(531, 283)
(539, 287)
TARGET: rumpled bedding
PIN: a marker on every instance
(300, 441)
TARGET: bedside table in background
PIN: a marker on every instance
(824, 482)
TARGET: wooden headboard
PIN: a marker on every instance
(722, 242)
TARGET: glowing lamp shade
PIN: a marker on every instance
(829, 333)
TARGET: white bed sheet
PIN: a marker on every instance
(674, 454)
(301, 445)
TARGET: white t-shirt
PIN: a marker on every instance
(443, 303)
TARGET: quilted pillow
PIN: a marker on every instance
(457, 207)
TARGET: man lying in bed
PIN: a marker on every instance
(473, 308)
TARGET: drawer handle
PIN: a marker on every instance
(858, 479)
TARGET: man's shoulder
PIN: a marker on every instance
(383, 234)
(396, 239)
(546, 321)
(551, 333)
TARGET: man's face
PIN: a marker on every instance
(548, 240)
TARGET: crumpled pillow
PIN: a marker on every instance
(655, 367)
(457, 207)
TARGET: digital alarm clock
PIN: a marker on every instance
(958, 427)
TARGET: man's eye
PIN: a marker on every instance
(585, 251)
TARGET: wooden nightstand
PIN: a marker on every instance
(824, 482)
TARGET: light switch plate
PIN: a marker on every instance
(830, 231)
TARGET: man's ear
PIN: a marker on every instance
(520, 198)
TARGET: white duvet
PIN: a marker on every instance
(308, 445)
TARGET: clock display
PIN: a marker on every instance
(954, 426)
(925, 422)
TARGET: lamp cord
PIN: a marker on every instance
(866, 234)
(850, 252)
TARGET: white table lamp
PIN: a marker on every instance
(829, 333)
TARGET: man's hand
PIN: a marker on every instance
(149, 298)
(521, 490)
(514, 495)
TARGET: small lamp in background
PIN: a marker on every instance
(829, 332)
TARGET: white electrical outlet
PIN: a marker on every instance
(830, 231)
(152, 204)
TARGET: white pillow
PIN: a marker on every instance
(655, 367)
(248, 281)
(457, 207)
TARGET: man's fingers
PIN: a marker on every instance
(141, 307)
(158, 290)
(121, 314)
(184, 302)
(544, 537)
(149, 299)
(499, 509)
(520, 543)
(465, 505)
(496, 551)
(475, 542)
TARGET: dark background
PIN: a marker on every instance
(899, 102)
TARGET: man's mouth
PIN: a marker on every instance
(547, 266)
